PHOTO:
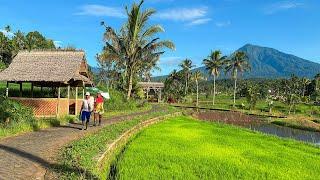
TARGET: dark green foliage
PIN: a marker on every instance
(252, 94)
(11, 45)
(13, 112)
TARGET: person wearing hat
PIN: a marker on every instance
(86, 110)
(98, 108)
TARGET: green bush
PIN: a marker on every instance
(118, 101)
(12, 112)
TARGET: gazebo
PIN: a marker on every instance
(55, 69)
(156, 87)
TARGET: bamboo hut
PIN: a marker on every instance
(152, 88)
(55, 69)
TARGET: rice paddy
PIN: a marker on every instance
(185, 148)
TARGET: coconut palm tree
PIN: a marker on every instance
(186, 66)
(197, 76)
(213, 64)
(238, 64)
(135, 46)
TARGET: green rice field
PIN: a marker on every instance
(185, 148)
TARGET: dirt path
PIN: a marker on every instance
(28, 156)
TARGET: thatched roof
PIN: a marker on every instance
(47, 66)
(151, 85)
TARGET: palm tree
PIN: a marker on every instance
(197, 76)
(305, 82)
(213, 64)
(135, 46)
(186, 66)
(238, 63)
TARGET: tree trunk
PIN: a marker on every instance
(234, 92)
(304, 90)
(130, 85)
(186, 87)
(197, 93)
(214, 89)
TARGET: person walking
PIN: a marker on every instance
(86, 110)
(98, 109)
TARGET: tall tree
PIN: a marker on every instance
(305, 83)
(186, 66)
(213, 64)
(197, 76)
(238, 64)
(136, 45)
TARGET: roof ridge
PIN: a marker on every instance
(51, 50)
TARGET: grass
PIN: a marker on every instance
(111, 113)
(35, 125)
(184, 148)
(83, 154)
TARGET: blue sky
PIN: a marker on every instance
(195, 26)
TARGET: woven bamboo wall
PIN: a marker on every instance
(48, 107)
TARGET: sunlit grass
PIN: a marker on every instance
(184, 148)
(83, 154)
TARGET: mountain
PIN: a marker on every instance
(271, 63)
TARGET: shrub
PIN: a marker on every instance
(14, 112)
(118, 101)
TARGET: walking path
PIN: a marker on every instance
(28, 156)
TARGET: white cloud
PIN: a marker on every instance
(170, 61)
(58, 43)
(6, 33)
(183, 14)
(223, 24)
(282, 6)
(100, 10)
(199, 21)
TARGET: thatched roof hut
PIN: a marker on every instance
(55, 69)
(48, 67)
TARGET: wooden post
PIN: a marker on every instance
(83, 92)
(31, 89)
(159, 98)
(76, 108)
(20, 89)
(147, 94)
(7, 89)
(58, 103)
(68, 98)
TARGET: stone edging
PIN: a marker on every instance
(126, 135)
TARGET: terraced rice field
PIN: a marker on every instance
(185, 148)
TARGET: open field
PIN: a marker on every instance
(305, 116)
(184, 148)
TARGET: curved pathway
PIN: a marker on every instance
(28, 156)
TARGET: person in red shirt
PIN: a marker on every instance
(98, 109)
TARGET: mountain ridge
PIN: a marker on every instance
(271, 63)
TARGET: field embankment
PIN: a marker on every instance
(85, 153)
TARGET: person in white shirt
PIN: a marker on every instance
(86, 109)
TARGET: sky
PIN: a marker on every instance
(195, 26)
